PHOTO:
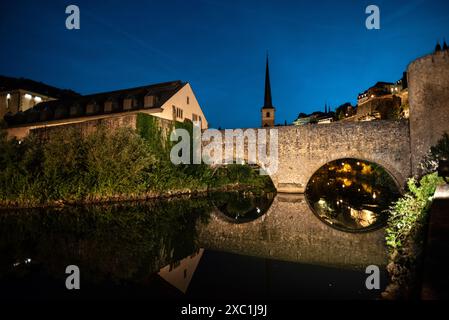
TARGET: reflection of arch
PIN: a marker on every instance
(262, 204)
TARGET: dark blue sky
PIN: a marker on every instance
(319, 50)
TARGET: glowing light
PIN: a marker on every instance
(374, 196)
(8, 96)
(28, 96)
(38, 99)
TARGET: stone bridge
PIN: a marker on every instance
(303, 150)
(397, 146)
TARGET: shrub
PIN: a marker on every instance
(409, 213)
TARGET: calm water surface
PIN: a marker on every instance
(228, 245)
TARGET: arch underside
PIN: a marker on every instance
(293, 177)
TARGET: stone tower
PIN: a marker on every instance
(428, 84)
(267, 110)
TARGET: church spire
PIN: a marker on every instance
(267, 101)
(267, 110)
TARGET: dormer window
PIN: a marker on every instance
(75, 110)
(110, 105)
(129, 102)
(150, 100)
(92, 107)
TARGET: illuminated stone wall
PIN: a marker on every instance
(124, 120)
(302, 150)
(428, 80)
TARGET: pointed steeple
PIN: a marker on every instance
(438, 47)
(267, 101)
(445, 45)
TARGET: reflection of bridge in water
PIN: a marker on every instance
(290, 231)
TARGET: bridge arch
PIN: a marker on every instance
(351, 194)
(396, 176)
(305, 149)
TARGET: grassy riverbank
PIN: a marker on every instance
(106, 165)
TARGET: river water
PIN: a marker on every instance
(228, 245)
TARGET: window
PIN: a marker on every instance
(8, 97)
(177, 112)
(268, 115)
(188, 99)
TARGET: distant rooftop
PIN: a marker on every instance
(74, 106)
(11, 83)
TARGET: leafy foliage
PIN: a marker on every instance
(73, 166)
(409, 213)
(406, 229)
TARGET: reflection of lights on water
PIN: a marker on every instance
(26, 261)
(363, 217)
